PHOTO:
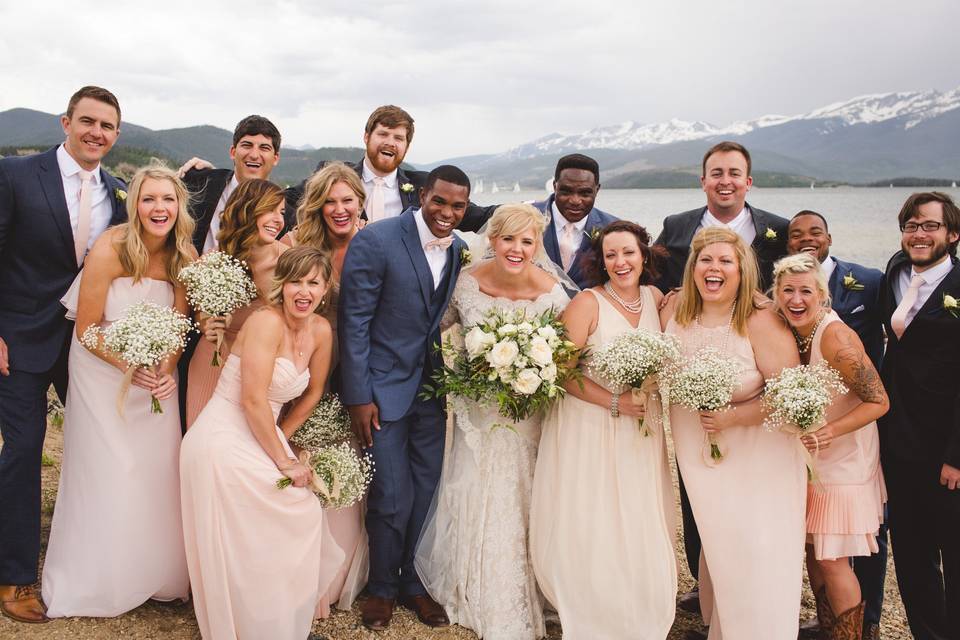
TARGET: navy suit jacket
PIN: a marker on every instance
(596, 220)
(679, 229)
(860, 310)
(388, 323)
(38, 262)
(920, 376)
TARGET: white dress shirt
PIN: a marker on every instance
(559, 222)
(828, 266)
(392, 205)
(210, 244)
(742, 225)
(101, 204)
(932, 278)
(436, 257)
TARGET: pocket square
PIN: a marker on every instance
(858, 309)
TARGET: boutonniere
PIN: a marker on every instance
(120, 194)
(594, 234)
(951, 305)
(406, 187)
(850, 283)
(465, 257)
(770, 235)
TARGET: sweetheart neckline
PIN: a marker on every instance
(284, 359)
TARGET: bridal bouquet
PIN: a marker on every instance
(797, 399)
(328, 424)
(511, 359)
(145, 335)
(218, 284)
(341, 477)
(634, 359)
(703, 382)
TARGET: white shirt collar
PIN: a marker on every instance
(389, 180)
(935, 273)
(733, 224)
(69, 167)
(560, 222)
(422, 229)
(827, 267)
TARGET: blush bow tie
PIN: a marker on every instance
(440, 243)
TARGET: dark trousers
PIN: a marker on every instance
(871, 573)
(925, 533)
(23, 425)
(691, 535)
(408, 458)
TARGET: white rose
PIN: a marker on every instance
(547, 333)
(507, 330)
(521, 363)
(525, 327)
(549, 372)
(503, 354)
(477, 341)
(540, 352)
(527, 382)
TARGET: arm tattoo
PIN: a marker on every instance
(863, 379)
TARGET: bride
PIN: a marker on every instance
(473, 556)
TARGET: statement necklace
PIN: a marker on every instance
(632, 307)
(804, 344)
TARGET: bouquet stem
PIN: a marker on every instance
(715, 453)
(155, 405)
(216, 352)
(644, 430)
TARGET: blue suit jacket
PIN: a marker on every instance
(388, 323)
(596, 220)
(860, 310)
(37, 257)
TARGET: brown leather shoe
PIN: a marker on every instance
(22, 603)
(428, 611)
(376, 613)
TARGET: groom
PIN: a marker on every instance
(397, 280)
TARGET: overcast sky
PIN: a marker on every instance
(478, 77)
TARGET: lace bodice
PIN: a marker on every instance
(287, 383)
(470, 305)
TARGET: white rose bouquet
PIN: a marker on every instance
(146, 335)
(218, 284)
(797, 399)
(635, 359)
(515, 361)
(703, 382)
(340, 476)
(328, 424)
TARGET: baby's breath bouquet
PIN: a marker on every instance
(218, 284)
(634, 359)
(328, 424)
(146, 335)
(513, 360)
(341, 477)
(703, 382)
(797, 399)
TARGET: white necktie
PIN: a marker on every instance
(375, 209)
(898, 321)
(82, 235)
(568, 244)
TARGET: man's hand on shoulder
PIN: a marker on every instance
(950, 477)
(4, 359)
(194, 163)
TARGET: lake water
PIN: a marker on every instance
(863, 221)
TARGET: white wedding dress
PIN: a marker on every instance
(473, 555)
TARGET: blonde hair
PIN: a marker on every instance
(131, 250)
(797, 264)
(294, 264)
(691, 303)
(311, 227)
(511, 219)
(238, 225)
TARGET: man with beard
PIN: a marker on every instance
(855, 296)
(920, 435)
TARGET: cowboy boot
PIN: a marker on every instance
(849, 624)
(824, 614)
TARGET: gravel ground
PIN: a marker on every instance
(155, 621)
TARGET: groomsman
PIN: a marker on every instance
(725, 179)
(53, 206)
(855, 296)
(920, 435)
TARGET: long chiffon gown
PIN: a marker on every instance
(116, 539)
(749, 507)
(260, 558)
(602, 520)
(845, 506)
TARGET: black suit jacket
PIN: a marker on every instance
(596, 220)
(860, 309)
(206, 186)
(38, 261)
(920, 375)
(679, 229)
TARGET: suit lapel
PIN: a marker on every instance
(593, 221)
(118, 207)
(453, 267)
(407, 198)
(52, 183)
(411, 240)
(837, 291)
(935, 301)
(693, 225)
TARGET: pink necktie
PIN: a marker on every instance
(83, 216)
(440, 243)
(568, 245)
(375, 209)
(899, 318)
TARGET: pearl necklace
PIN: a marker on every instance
(632, 307)
(804, 344)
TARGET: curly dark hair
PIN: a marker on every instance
(593, 263)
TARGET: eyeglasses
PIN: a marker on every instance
(929, 226)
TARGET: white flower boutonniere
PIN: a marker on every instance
(850, 283)
(465, 257)
(770, 235)
(951, 305)
(120, 194)
(406, 187)
(594, 234)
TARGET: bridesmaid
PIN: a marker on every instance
(116, 539)
(749, 506)
(594, 460)
(845, 505)
(251, 220)
(260, 559)
(327, 219)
